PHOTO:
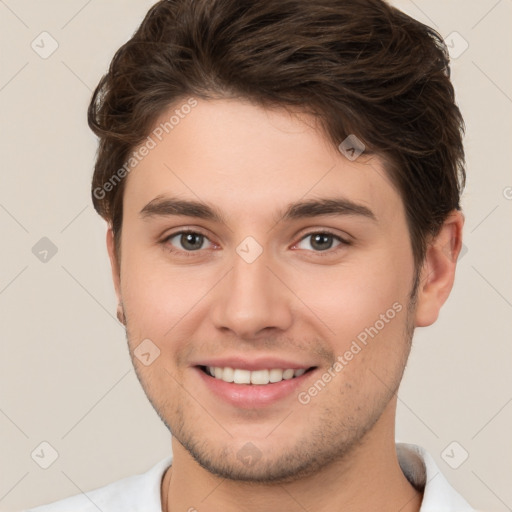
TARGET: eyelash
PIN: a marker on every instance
(187, 254)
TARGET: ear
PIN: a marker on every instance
(438, 270)
(114, 263)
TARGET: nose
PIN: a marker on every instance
(252, 301)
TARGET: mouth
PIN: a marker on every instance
(260, 377)
(259, 382)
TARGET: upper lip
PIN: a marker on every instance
(256, 363)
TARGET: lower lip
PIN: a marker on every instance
(252, 396)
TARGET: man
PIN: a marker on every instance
(281, 182)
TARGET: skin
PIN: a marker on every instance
(298, 300)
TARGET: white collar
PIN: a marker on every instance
(422, 472)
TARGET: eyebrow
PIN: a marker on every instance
(162, 206)
(327, 206)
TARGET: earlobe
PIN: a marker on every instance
(438, 271)
(114, 263)
(120, 313)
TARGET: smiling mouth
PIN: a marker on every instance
(255, 377)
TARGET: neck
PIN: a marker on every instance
(368, 478)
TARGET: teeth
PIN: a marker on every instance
(288, 374)
(260, 377)
(276, 375)
(228, 374)
(257, 377)
(239, 377)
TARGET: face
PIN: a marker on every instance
(295, 259)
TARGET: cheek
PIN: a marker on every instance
(159, 298)
(351, 298)
(363, 316)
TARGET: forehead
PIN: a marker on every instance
(250, 162)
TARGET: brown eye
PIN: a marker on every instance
(187, 241)
(320, 241)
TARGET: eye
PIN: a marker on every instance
(320, 241)
(188, 241)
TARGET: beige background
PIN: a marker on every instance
(65, 375)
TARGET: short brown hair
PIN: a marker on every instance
(361, 67)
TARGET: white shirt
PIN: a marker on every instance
(141, 493)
